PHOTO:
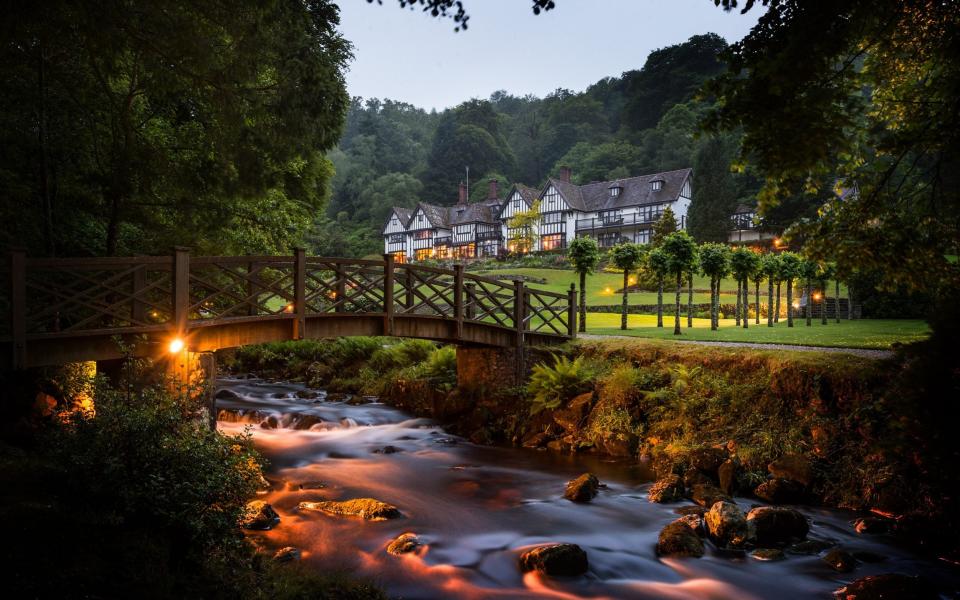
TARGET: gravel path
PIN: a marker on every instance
(874, 354)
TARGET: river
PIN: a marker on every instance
(477, 508)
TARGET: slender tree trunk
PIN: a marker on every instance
(776, 314)
(676, 316)
(770, 303)
(746, 303)
(713, 303)
(836, 301)
(739, 296)
(789, 283)
(660, 301)
(623, 303)
(849, 302)
(808, 313)
(583, 302)
(690, 300)
(823, 305)
(757, 297)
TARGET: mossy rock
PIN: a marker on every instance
(364, 508)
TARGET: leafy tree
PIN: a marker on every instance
(584, 255)
(681, 252)
(714, 190)
(790, 270)
(665, 225)
(524, 222)
(130, 127)
(808, 273)
(658, 263)
(715, 264)
(744, 263)
(601, 162)
(480, 188)
(770, 270)
(626, 257)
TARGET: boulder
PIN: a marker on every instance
(792, 467)
(809, 547)
(768, 554)
(679, 539)
(668, 489)
(225, 394)
(538, 439)
(840, 560)
(890, 586)
(690, 510)
(259, 515)
(780, 491)
(555, 560)
(388, 449)
(706, 495)
(777, 525)
(708, 460)
(287, 554)
(727, 475)
(404, 543)
(365, 508)
(44, 405)
(619, 444)
(270, 422)
(693, 476)
(872, 525)
(583, 488)
(337, 397)
(726, 525)
(308, 394)
(306, 421)
(694, 522)
(574, 413)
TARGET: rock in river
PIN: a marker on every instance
(707, 495)
(726, 525)
(777, 525)
(287, 554)
(679, 539)
(668, 489)
(555, 559)
(891, 586)
(780, 491)
(365, 508)
(404, 543)
(840, 560)
(768, 554)
(583, 488)
(793, 467)
(259, 515)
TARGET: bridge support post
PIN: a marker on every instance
(520, 323)
(489, 369)
(572, 312)
(192, 377)
(388, 294)
(458, 298)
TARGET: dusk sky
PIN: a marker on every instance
(407, 55)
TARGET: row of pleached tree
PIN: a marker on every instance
(677, 258)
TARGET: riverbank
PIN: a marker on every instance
(850, 420)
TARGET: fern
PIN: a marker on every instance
(550, 386)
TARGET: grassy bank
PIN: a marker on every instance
(862, 333)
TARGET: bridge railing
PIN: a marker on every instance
(74, 297)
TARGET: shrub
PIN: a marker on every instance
(406, 353)
(550, 386)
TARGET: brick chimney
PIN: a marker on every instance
(463, 193)
(565, 174)
(493, 193)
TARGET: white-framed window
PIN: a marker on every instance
(552, 217)
(643, 236)
(615, 191)
(656, 185)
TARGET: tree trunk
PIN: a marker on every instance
(808, 313)
(739, 296)
(713, 304)
(776, 313)
(770, 303)
(849, 302)
(690, 300)
(660, 301)
(623, 304)
(746, 303)
(757, 298)
(836, 301)
(789, 283)
(676, 316)
(823, 305)
(583, 302)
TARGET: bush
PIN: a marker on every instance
(550, 386)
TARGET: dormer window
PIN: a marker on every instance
(615, 191)
(656, 185)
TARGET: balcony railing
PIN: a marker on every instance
(489, 235)
(442, 241)
(620, 221)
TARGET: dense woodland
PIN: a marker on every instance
(643, 121)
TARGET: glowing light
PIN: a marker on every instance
(288, 308)
(633, 280)
(796, 304)
(608, 290)
(817, 296)
(176, 345)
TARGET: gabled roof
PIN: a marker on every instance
(635, 191)
(472, 213)
(527, 194)
(743, 209)
(402, 213)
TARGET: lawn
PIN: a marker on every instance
(862, 333)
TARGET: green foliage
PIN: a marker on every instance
(681, 251)
(789, 267)
(665, 225)
(770, 267)
(627, 256)
(744, 262)
(402, 354)
(658, 262)
(715, 259)
(549, 386)
(584, 255)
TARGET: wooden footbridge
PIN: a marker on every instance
(80, 309)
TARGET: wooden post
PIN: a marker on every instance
(572, 312)
(138, 308)
(458, 298)
(470, 289)
(408, 284)
(388, 281)
(519, 310)
(181, 291)
(341, 291)
(18, 307)
(299, 292)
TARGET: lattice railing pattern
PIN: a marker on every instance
(341, 285)
(225, 287)
(546, 312)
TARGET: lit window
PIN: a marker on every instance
(551, 242)
(656, 185)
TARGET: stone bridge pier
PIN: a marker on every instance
(492, 370)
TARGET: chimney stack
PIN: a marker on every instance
(565, 174)
(494, 193)
(463, 193)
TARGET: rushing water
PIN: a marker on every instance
(477, 508)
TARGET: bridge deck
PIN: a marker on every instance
(64, 310)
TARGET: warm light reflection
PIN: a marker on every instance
(796, 304)
(817, 296)
(288, 308)
(633, 280)
(176, 345)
